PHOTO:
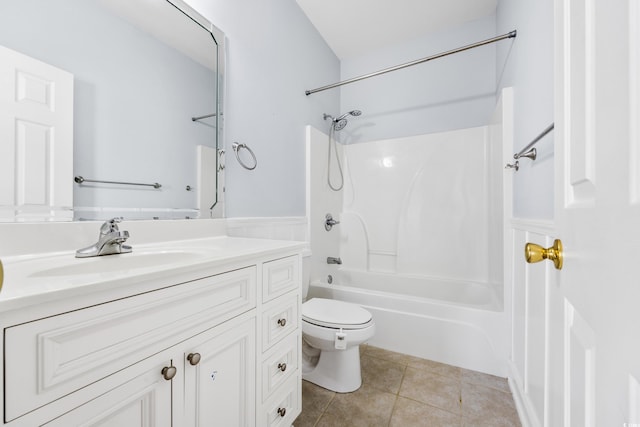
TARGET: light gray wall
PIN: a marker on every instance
(273, 55)
(449, 93)
(527, 65)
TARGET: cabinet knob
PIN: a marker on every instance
(193, 358)
(282, 366)
(168, 372)
(282, 322)
(282, 411)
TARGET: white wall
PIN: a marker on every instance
(273, 55)
(527, 66)
(449, 93)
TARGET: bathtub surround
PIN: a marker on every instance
(425, 259)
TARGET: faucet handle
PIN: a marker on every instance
(110, 225)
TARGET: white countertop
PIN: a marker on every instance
(33, 279)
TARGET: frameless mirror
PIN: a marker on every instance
(147, 78)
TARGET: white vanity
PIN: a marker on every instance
(194, 332)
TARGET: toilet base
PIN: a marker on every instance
(338, 370)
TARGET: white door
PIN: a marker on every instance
(36, 139)
(220, 376)
(594, 302)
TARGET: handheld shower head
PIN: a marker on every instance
(339, 123)
(354, 113)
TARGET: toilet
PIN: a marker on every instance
(332, 332)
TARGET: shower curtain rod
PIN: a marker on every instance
(509, 35)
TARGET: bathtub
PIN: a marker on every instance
(458, 323)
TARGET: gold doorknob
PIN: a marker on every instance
(536, 253)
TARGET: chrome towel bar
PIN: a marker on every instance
(526, 150)
(81, 180)
(195, 119)
(529, 151)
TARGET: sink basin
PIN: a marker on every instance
(118, 263)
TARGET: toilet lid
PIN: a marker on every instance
(335, 314)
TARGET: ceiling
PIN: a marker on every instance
(355, 27)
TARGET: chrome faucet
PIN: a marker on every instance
(333, 260)
(110, 241)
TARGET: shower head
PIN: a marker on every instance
(354, 113)
(339, 123)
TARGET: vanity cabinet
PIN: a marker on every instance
(281, 339)
(223, 349)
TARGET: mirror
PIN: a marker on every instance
(147, 79)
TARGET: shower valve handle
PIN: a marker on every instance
(329, 222)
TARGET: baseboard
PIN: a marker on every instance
(527, 416)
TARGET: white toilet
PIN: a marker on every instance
(332, 332)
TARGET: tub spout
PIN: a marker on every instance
(333, 260)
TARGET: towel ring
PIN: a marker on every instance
(236, 148)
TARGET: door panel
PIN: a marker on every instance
(594, 355)
(36, 130)
(220, 389)
(145, 401)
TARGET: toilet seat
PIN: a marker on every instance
(335, 314)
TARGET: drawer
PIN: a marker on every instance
(285, 406)
(279, 277)
(279, 319)
(49, 358)
(280, 364)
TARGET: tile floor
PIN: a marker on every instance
(402, 390)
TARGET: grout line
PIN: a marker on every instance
(325, 409)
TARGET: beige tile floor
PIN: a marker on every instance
(402, 390)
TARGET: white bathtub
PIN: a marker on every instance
(458, 323)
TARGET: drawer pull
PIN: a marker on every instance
(282, 411)
(282, 366)
(282, 322)
(193, 358)
(168, 372)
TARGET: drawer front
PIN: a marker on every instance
(280, 364)
(52, 357)
(279, 277)
(279, 319)
(285, 406)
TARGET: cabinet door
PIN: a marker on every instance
(144, 401)
(220, 375)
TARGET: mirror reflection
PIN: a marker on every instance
(143, 107)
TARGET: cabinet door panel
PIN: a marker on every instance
(220, 389)
(144, 401)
